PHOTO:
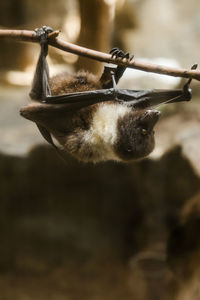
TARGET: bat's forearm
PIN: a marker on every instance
(40, 87)
(30, 36)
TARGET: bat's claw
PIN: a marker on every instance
(42, 33)
(186, 87)
(116, 53)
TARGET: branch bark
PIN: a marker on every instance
(30, 36)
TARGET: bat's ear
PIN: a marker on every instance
(45, 115)
(36, 112)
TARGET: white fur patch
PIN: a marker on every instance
(103, 132)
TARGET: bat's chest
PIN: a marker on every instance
(103, 129)
(96, 143)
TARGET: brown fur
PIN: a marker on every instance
(65, 83)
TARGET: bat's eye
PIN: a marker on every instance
(81, 79)
(129, 149)
(144, 131)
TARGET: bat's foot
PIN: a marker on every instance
(186, 88)
(42, 34)
(116, 53)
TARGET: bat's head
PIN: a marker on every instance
(135, 134)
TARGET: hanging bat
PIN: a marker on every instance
(91, 118)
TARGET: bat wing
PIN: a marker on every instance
(139, 99)
(142, 99)
(93, 96)
(65, 104)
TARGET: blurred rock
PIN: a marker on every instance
(65, 222)
(184, 250)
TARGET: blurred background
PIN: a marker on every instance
(107, 231)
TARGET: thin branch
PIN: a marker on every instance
(30, 36)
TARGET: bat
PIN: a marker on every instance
(91, 118)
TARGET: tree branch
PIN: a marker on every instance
(30, 36)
